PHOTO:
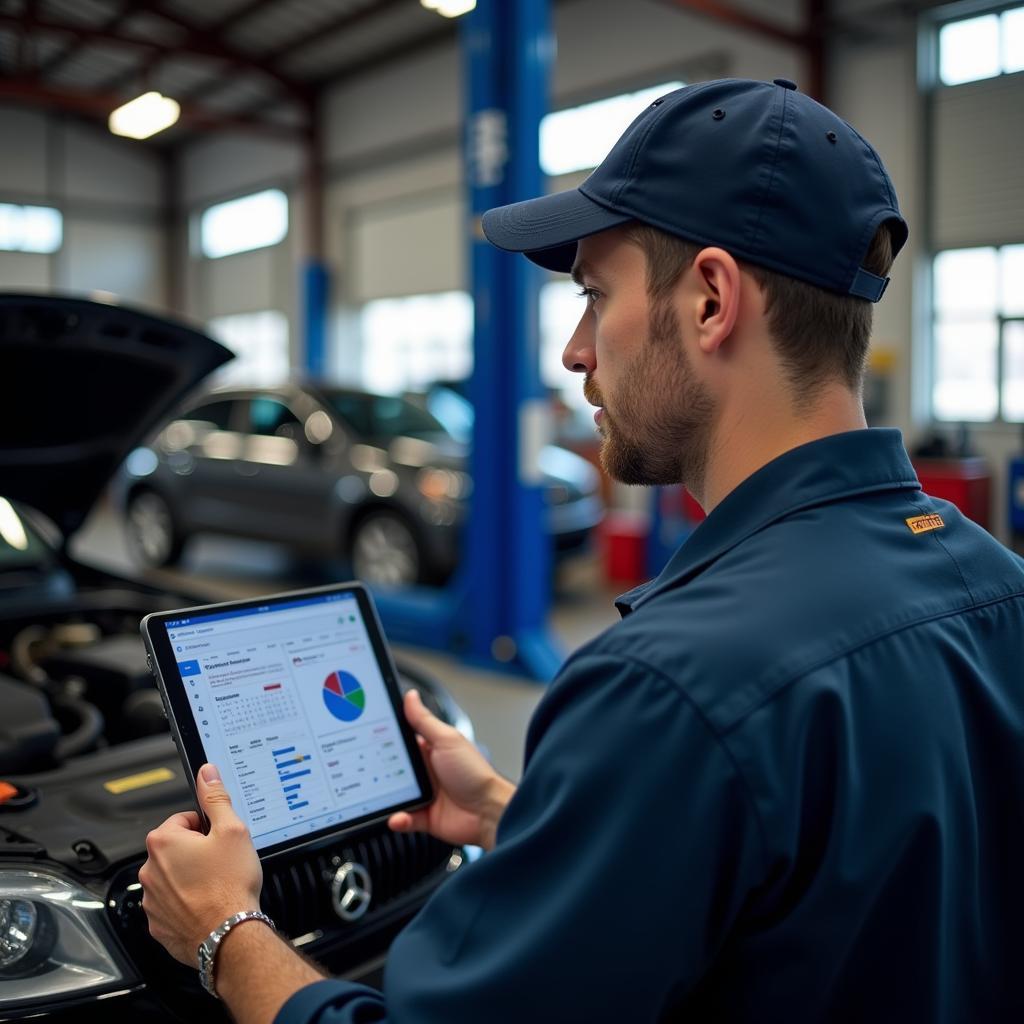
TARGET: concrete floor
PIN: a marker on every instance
(500, 704)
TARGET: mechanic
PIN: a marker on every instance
(788, 785)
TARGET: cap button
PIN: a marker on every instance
(785, 83)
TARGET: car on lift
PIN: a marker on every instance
(87, 766)
(375, 480)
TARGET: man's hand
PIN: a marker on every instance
(470, 796)
(193, 882)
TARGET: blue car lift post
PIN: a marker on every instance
(495, 609)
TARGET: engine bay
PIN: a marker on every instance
(88, 768)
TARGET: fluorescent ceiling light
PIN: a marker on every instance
(449, 8)
(144, 116)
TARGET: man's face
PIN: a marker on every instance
(655, 415)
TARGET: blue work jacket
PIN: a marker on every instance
(788, 786)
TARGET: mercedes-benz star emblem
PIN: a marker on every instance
(351, 891)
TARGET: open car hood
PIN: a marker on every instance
(81, 384)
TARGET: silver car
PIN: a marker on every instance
(373, 479)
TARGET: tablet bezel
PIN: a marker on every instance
(186, 732)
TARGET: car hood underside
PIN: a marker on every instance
(82, 384)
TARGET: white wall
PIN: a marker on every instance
(111, 196)
(221, 167)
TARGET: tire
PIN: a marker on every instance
(152, 533)
(384, 549)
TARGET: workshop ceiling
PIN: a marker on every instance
(260, 65)
(253, 64)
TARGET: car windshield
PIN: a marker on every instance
(383, 416)
(453, 410)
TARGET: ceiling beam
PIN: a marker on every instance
(99, 105)
(732, 16)
(330, 28)
(333, 27)
(196, 43)
(445, 33)
(69, 51)
(209, 44)
(241, 14)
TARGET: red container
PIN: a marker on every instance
(967, 483)
(624, 547)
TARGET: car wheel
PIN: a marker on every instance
(152, 532)
(384, 549)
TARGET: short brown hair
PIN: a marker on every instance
(820, 335)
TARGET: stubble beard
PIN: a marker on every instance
(660, 431)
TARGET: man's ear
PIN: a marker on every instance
(716, 277)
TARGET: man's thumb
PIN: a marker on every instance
(213, 797)
(428, 725)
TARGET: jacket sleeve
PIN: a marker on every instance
(620, 867)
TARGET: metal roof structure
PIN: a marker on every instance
(261, 65)
(258, 65)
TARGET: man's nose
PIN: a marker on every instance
(578, 355)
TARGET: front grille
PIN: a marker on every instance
(297, 892)
(297, 895)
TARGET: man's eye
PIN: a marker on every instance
(590, 294)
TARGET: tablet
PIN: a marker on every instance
(295, 699)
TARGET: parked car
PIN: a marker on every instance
(376, 480)
(87, 766)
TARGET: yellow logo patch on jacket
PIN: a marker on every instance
(924, 524)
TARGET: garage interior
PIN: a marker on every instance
(356, 114)
(314, 207)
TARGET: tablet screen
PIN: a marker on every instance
(289, 701)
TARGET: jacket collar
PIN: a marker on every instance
(830, 468)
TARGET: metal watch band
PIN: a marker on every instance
(206, 954)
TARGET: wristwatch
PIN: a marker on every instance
(207, 952)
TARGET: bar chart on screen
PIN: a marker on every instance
(293, 771)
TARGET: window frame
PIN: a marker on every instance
(1001, 319)
(938, 18)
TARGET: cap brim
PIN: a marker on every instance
(547, 229)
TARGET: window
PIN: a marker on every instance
(252, 222)
(216, 414)
(979, 334)
(409, 343)
(260, 343)
(272, 418)
(981, 47)
(381, 417)
(579, 138)
(30, 228)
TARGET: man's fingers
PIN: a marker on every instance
(215, 800)
(429, 726)
(184, 821)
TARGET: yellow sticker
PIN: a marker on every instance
(922, 524)
(139, 781)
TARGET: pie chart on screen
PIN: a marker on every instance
(344, 696)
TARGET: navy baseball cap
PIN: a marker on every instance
(757, 168)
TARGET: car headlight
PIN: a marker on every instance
(19, 923)
(54, 942)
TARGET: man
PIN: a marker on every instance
(788, 785)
